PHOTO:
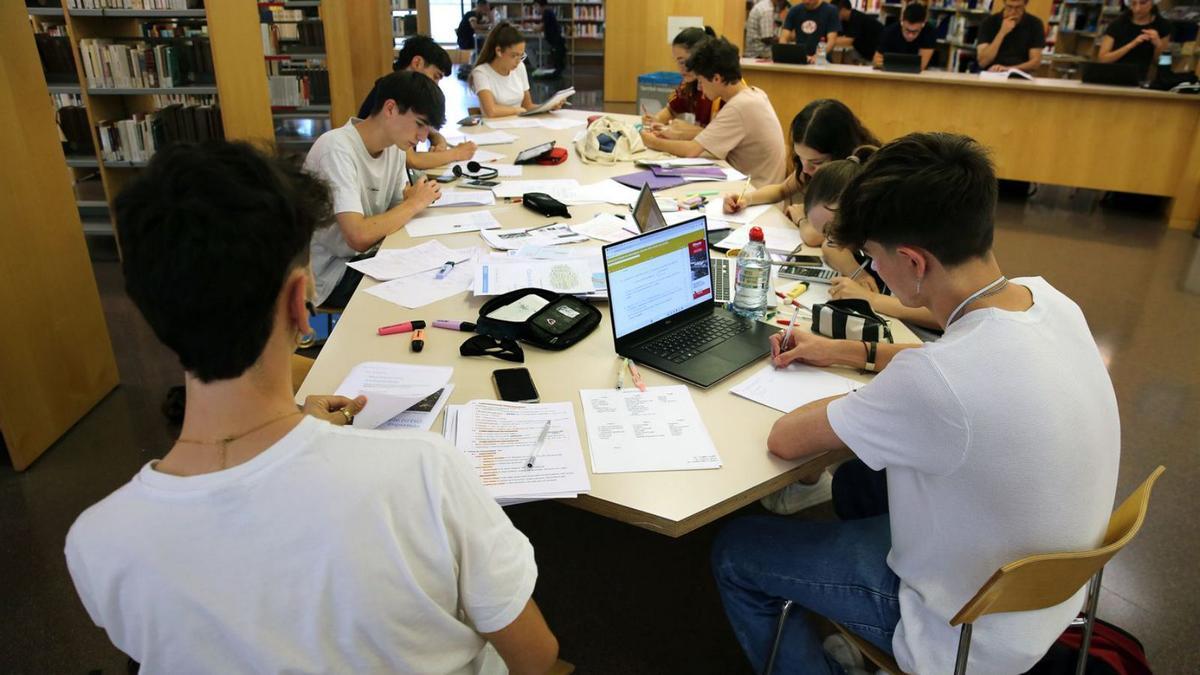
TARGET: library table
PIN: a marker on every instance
(669, 502)
(1045, 130)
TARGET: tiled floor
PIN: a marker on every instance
(623, 600)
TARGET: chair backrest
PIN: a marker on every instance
(1045, 580)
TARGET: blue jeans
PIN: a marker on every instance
(835, 569)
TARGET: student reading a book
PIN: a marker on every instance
(824, 131)
(688, 110)
(364, 164)
(745, 132)
(266, 540)
(810, 23)
(499, 78)
(912, 34)
(1012, 38)
(987, 451)
(421, 54)
(1137, 37)
(821, 199)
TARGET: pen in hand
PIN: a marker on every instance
(861, 267)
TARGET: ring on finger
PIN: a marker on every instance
(346, 413)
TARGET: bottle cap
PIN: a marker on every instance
(756, 233)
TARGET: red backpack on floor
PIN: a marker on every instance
(1111, 652)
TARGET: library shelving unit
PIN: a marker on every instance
(409, 17)
(1076, 26)
(56, 357)
(582, 24)
(957, 25)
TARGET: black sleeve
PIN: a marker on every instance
(1114, 31)
(1037, 38)
(887, 39)
(1163, 27)
(988, 29)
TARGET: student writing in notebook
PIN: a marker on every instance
(267, 541)
(499, 77)
(688, 110)
(365, 167)
(999, 440)
(421, 54)
(745, 132)
(824, 131)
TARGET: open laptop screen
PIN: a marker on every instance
(656, 275)
(646, 213)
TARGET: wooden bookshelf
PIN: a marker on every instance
(582, 23)
(57, 358)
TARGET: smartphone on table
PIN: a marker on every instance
(515, 384)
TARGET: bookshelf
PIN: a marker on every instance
(582, 23)
(57, 359)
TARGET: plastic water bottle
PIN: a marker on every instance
(822, 59)
(753, 278)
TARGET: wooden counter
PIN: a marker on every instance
(1062, 132)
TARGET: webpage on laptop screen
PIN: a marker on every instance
(656, 275)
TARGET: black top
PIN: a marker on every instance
(1123, 31)
(891, 40)
(550, 27)
(865, 30)
(812, 25)
(465, 33)
(1029, 33)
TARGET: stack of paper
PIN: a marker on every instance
(655, 430)
(397, 394)
(551, 235)
(607, 228)
(471, 221)
(490, 138)
(786, 389)
(500, 274)
(590, 256)
(779, 238)
(429, 286)
(464, 198)
(502, 441)
(393, 263)
(483, 156)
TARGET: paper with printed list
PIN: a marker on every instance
(500, 274)
(394, 263)
(391, 388)
(655, 430)
(501, 440)
(786, 389)
(470, 221)
(417, 290)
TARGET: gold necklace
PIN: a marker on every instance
(223, 443)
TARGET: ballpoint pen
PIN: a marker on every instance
(537, 446)
(621, 372)
(791, 324)
(861, 267)
(637, 375)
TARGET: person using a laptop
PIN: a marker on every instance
(1137, 37)
(809, 23)
(1012, 38)
(860, 31)
(745, 132)
(688, 110)
(997, 441)
(823, 131)
(912, 34)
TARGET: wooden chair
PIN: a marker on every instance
(1031, 583)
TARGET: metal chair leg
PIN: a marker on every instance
(964, 648)
(787, 607)
(1089, 612)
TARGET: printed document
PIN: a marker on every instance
(471, 221)
(500, 274)
(655, 430)
(553, 235)
(429, 286)
(393, 263)
(464, 198)
(422, 413)
(391, 388)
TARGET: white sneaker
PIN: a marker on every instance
(799, 496)
(847, 655)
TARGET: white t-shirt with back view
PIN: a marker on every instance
(359, 183)
(506, 89)
(335, 550)
(1000, 440)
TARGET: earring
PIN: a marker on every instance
(305, 340)
(918, 285)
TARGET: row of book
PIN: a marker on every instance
(292, 87)
(54, 49)
(136, 4)
(138, 138)
(276, 35)
(182, 62)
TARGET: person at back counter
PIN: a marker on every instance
(810, 22)
(912, 34)
(1012, 38)
(1137, 37)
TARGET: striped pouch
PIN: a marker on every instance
(850, 319)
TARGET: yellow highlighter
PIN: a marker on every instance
(797, 291)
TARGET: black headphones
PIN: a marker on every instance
(477, 171)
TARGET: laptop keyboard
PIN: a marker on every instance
(720, 280)
(695, 338)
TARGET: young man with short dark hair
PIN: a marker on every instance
(912, 34)
(364, 164)
(266, 541)
(420, 54)
(1000, 440)
(1011, 38)
(860, 30)
(745, 132)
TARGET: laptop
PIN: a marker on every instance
(646, 214)
(790, 53)
(660, 294)
(901, 63)
(1115, 74)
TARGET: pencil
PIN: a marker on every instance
(858, 271)
(744, 188)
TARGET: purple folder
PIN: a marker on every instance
(713, 172)
(638, 179)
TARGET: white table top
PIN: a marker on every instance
(669, 502)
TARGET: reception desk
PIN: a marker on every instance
(1061, 132)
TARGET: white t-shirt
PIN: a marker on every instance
(360, 183)
(506, 89)
(1000, 440)
(335, 550)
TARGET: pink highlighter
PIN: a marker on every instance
(406, 327)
